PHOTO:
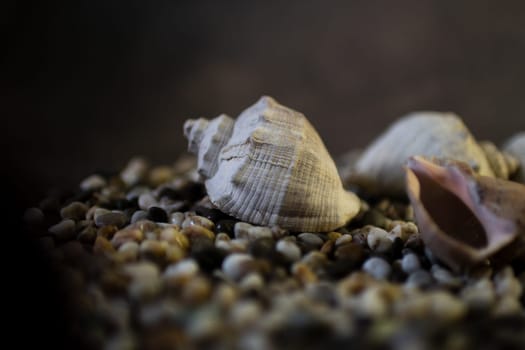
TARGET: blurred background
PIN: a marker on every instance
(91, 83)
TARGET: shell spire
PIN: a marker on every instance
(270, 167)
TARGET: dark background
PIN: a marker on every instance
(91, 83)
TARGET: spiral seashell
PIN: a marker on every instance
(379, 170)
(466, 218)
(516, 147)
(270, 167)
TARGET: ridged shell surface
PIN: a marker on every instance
(273, 170)
(516, 146)
(379, 170)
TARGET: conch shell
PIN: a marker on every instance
(466, 218)
(270, 167)
(516, 147)
(379, 170)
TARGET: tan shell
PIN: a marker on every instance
(516, 147)
(379, 170)
(465, 218)
(270, 167)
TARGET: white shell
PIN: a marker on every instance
(516, 146)
(270, 167)
(431, 134)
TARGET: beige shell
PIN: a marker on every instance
(516, 146)
(465, 218)
(379, 170)
(270, 167)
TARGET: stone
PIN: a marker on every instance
(74, 211)
(377, 267)
(104, 217)
(64, 230)
(34, 216)
(378, 240)
(125, 235)
(134, 172)
(93, 182)
(238, 265)
(419, 278)
(139, 215)
(410, 263)
(289, 250)
(310, 239)
(176, 218)
(157, 214)
(147, 200)
(199, 221)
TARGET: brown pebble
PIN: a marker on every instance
(197, 290)
(327, 247)
(107, 231)
(103, 246)
(74, 211)
(196, 231)
(351, 251)
(87, 235)
(303, 273)
(153, 250)
(333, 236)
(174, 253)
(174, 236)
(127, 235)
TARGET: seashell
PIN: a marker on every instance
(516, 147)
(466, 218)
(431, 134)
(270, 167)
(502, 163)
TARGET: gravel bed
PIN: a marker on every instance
(146, 262)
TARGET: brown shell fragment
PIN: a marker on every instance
(465, 218)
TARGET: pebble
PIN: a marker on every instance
(138, 215)
(181, 271)
(64, 230)
(377, 267)
(346, 238)
(174, 237)
(350, 252)
(303, 273)
(104, 217)
(198, 221)
(134, 171)
(310, 239)
(153, 250)
(128, 234)
(87, 235)
(196, 291)
(444, 277)
(146, 200)
(506, 284)
(176, 218)
(145, 279)
(410, 263)
(159, 175)
(129, 251)
(419, 278)
(289, 250)
(252, 282)
(93, 182)
(245, 313)
(238, 265)
(479, 294)
(257, 232)
(196, 231)
(74, 210)
(378, 240)
(33, 216)
(241, 230)
(103, 246)
(226, 226)
(157, 214)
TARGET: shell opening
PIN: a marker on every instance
(450, 213)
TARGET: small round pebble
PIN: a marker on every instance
(378, 240)
(146, 200)
(377, 267)
(289, 250)
(176, 218)
(242, 229)
(104, 217)
(238, 265)
(33, 216)
(410, 263)
(157, 214)
(311, 239)
(64, 230)
(139, 215)
(92, 183)
(199, 221)
(419, 278)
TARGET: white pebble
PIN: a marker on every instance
(237, 265)
(183, 269)
(378, 240)
(134, 171)
(256, 232)
(138, 215)
(146, 201)
(289, 249)
(242, 229)
(310, 239)
(377, 267)
(410, 263)
(177, 218)
(92, 183)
